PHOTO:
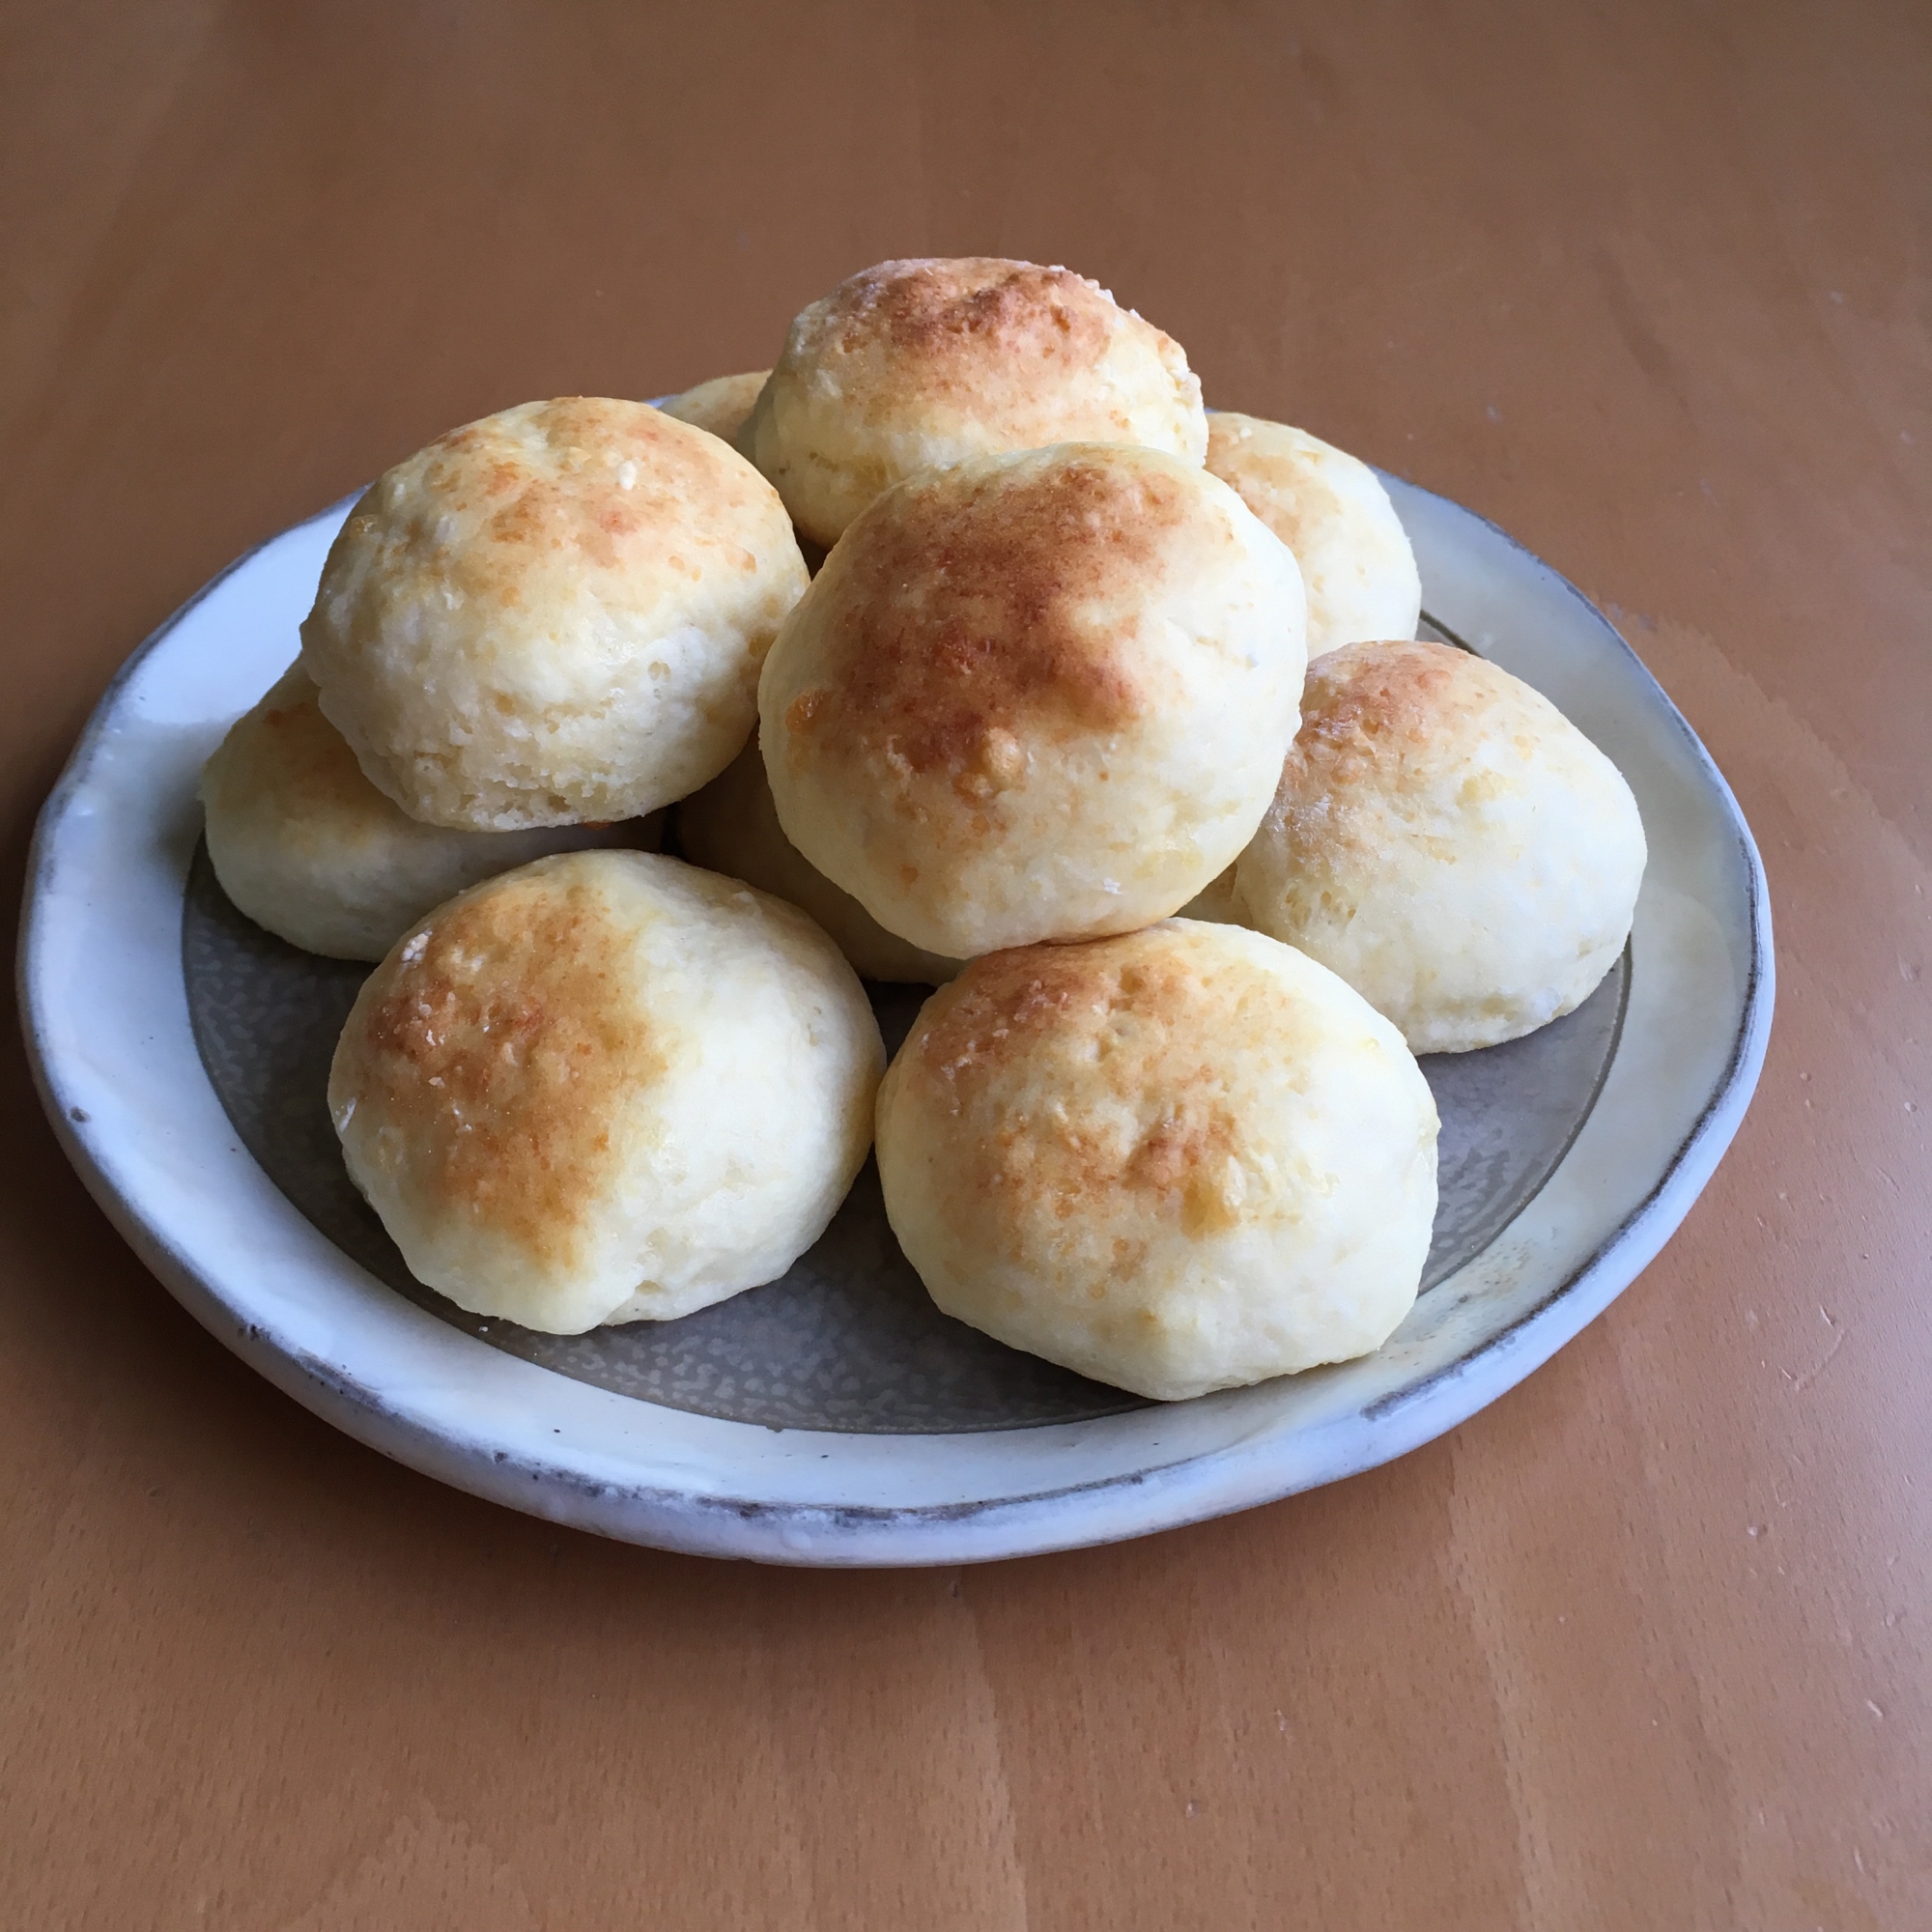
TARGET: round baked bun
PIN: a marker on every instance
(306, 846)
(917, 364)
(606, 1088)
(1330, 509)
(720, 405)
(1185, 1159)
(1446, 841)
(554, 614)
(733, 827)
(1036, 697)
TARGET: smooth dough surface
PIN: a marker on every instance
(1330, 509)
(608, 1087)
(554, 614)
(722, 405)
(913, 364)
(1033, 696)
(733, 827)
(306, 846)
(1447, 841)
(1184, 1159)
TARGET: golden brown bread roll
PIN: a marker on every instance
(722, 405)
(1446, 841)
(1036, 697)
(916, 363)
(1330, 509)
(554, 614)
(608, 1087)
(733, 827)
(306, 846)
(1180, 1160)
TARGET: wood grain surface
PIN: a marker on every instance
(1644, 1645)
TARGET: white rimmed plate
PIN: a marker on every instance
(834, 1417)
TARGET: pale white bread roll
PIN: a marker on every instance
(721, 405)
(554, 614)
(1330, 509)
(916, 363)
(1041, 696)
(733, 827)
(608, 1087)
(1185, 1159)
(306, 846)
(1446, 841)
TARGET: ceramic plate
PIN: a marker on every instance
(835, 1416)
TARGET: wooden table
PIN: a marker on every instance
(1642, 1646)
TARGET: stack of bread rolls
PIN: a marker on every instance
(971, 651)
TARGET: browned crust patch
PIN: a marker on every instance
(961, 624)
(972, 308)
(1369, 704)
(1137, 1111)
(1375, 719)
(605, 480)
(498, 1044)
(1277, 489)
(306, 758)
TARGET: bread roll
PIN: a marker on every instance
(608, 1087)
(1185, 1159)
(1446, 841)
(1036, 697)
(306, 846)
(554, 614)
(1330, 509)
(917, 364)
(721, 405)
(733, 827)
